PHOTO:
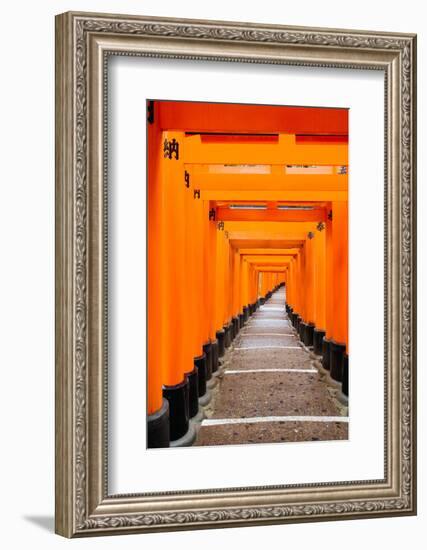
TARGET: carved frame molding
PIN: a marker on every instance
(83, 43)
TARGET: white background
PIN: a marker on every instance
(133, 468)
(27, 274)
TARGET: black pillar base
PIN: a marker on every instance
(308, 334)
(326, 353)
(227, 339)
(235, 326)
(220, 336)
(246, 313)
(207, 350)
(214, 352)
(301, 330)
(336, 360)
(158, 427)
(318, 340)
(262, 301)
(200, 364)
(344, 382)
(193, 392)
(230, 331)
(241, 320)
(179, 414)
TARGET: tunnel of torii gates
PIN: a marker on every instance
(241, 200)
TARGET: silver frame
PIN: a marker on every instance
(83, 43)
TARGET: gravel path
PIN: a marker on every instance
(268, 386)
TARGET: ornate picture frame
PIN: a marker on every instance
(83, 43)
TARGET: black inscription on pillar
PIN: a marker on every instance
(221, 226)
(171, 149)
(197, 193)
(187, 179)
(212, 214)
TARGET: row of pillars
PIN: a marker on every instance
(201, 290)
(317, 292)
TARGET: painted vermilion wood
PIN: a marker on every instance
(220, 279)
(187, 330)
(245, 283)
(261, 259)
(208, 261)
(173, 273)
(285, 152)
(320, 279)
(233, 118)
(211, 278)
(274, 195)
(269, 251)
(227, 214)
(309, 289)
(155, 305)
(329, 273)
(208, 181)
(197, 291)
(228, 283)
(340, 263)
(207, 274)
(237, 306)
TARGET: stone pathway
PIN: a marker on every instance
(270, 390)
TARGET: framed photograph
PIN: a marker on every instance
(235, 274)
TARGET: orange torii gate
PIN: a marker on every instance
(204, 256)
